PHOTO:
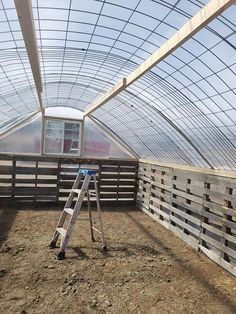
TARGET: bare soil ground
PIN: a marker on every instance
(147, 268)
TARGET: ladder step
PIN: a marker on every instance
(92, 193)
(76, 191)
(69, 210)
(96, 230)
(62, 231)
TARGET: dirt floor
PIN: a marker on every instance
(147, 268)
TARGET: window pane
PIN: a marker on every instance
(54, 136)
(71, 138)
(62, 137)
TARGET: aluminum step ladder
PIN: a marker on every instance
(79, 195)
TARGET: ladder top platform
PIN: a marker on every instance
(87, 171)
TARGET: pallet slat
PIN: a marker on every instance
(40, 178)
(199, 208)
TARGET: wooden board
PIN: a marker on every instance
(200, 208)
(39, 178)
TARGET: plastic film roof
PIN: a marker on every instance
(17, 88)
(182, 111)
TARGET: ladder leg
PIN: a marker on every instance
(64, 241)
(62, 219)
(65, 233)
(56, 234)
(73, 219)
(90, 217)
(104, 244)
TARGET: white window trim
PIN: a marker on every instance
(80, 122)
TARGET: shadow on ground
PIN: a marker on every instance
(7, 218)
(193, 271)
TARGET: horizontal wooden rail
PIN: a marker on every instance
(199, 207)
(215, 172)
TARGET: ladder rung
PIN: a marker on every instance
(69, 210)
(84, 178)
(92, 193)
(62, 231)
(76, 191)
(96, 230)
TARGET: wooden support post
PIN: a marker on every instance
(42, 140)
(13, 180)
(58, 180)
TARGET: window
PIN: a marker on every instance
(62, 137)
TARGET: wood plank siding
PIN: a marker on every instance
(198, 207)
(40, 179)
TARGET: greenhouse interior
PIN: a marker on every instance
(118, 156)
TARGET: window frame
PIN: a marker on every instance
(66, 120)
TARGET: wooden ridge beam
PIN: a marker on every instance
(189, 29)
(26, 20)
(115, 90)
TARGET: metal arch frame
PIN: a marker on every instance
(155, 109)
(197, 22)
(202, 117)
(202, 18)
(180, 132)
(172, 125)
(168, 6)
(114, 137)
(20, 123)
(7, 57)
(166, 118)
(178, 102)
(176, 79)
(148, 74)
(141, 109)
(142, 141)
(123, 80)
(80, 85)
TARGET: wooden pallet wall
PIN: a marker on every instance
(199, 208)
(40, 179)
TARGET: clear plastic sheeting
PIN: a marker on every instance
(62, 137)
(23, 140)
(64, 112)
(184, 110)
(147, 131)
(97, 145)
(17, 89)
(181, 111)
(87, 46)
(4, 126)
